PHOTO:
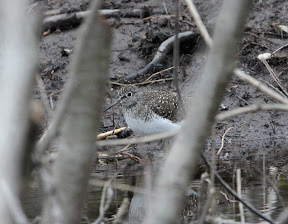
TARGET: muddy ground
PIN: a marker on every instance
(136, 41)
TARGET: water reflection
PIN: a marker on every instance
(262, 196)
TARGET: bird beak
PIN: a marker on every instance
(112, 105)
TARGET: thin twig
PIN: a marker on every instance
(252, 108)
(264, 181)
(199, 23)
(176, 52)
(260, 86)
(108, 133)
(213, 157)
(137, 158)
(226, 197)
(222, 140)
(164, 70)
(272, 73)
(273, 87)
(139, 140)
(107, 192)
(279, 49)
(142, 83)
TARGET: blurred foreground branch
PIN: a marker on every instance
(18, 62)
(184, 156)
(87, 86)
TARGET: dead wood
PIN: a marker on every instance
(162, 51)
(71, 20)
(108, 133)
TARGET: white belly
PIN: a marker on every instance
(152, 126)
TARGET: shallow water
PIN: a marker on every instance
(263, 196)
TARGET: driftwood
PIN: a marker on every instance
(113, 132)
(162, 51)
(71, 20)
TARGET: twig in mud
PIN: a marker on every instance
(238, 177)
(233, 193)
(124, 148)
(279, 49)
(263, 58)
(162, 51)
(156, 73)
(273, 87)
(108, 133)
(137, 158)
(222, 140)
(154, 81)
(260, 86)
(199, 23)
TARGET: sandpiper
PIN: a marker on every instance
(150, 112)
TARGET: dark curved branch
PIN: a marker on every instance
(163, 50)
(234, 193)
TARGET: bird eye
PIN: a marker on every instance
(129, 94)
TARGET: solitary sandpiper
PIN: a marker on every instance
(150, 112)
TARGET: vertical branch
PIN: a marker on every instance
(184, 155)
(81, 121)
(239, 191)
(176, 47)
(18, 64)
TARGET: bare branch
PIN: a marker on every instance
(89, 79)
(199, 22)
(18, 63)
(259, 85)
(252, 108)
(174, 175)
